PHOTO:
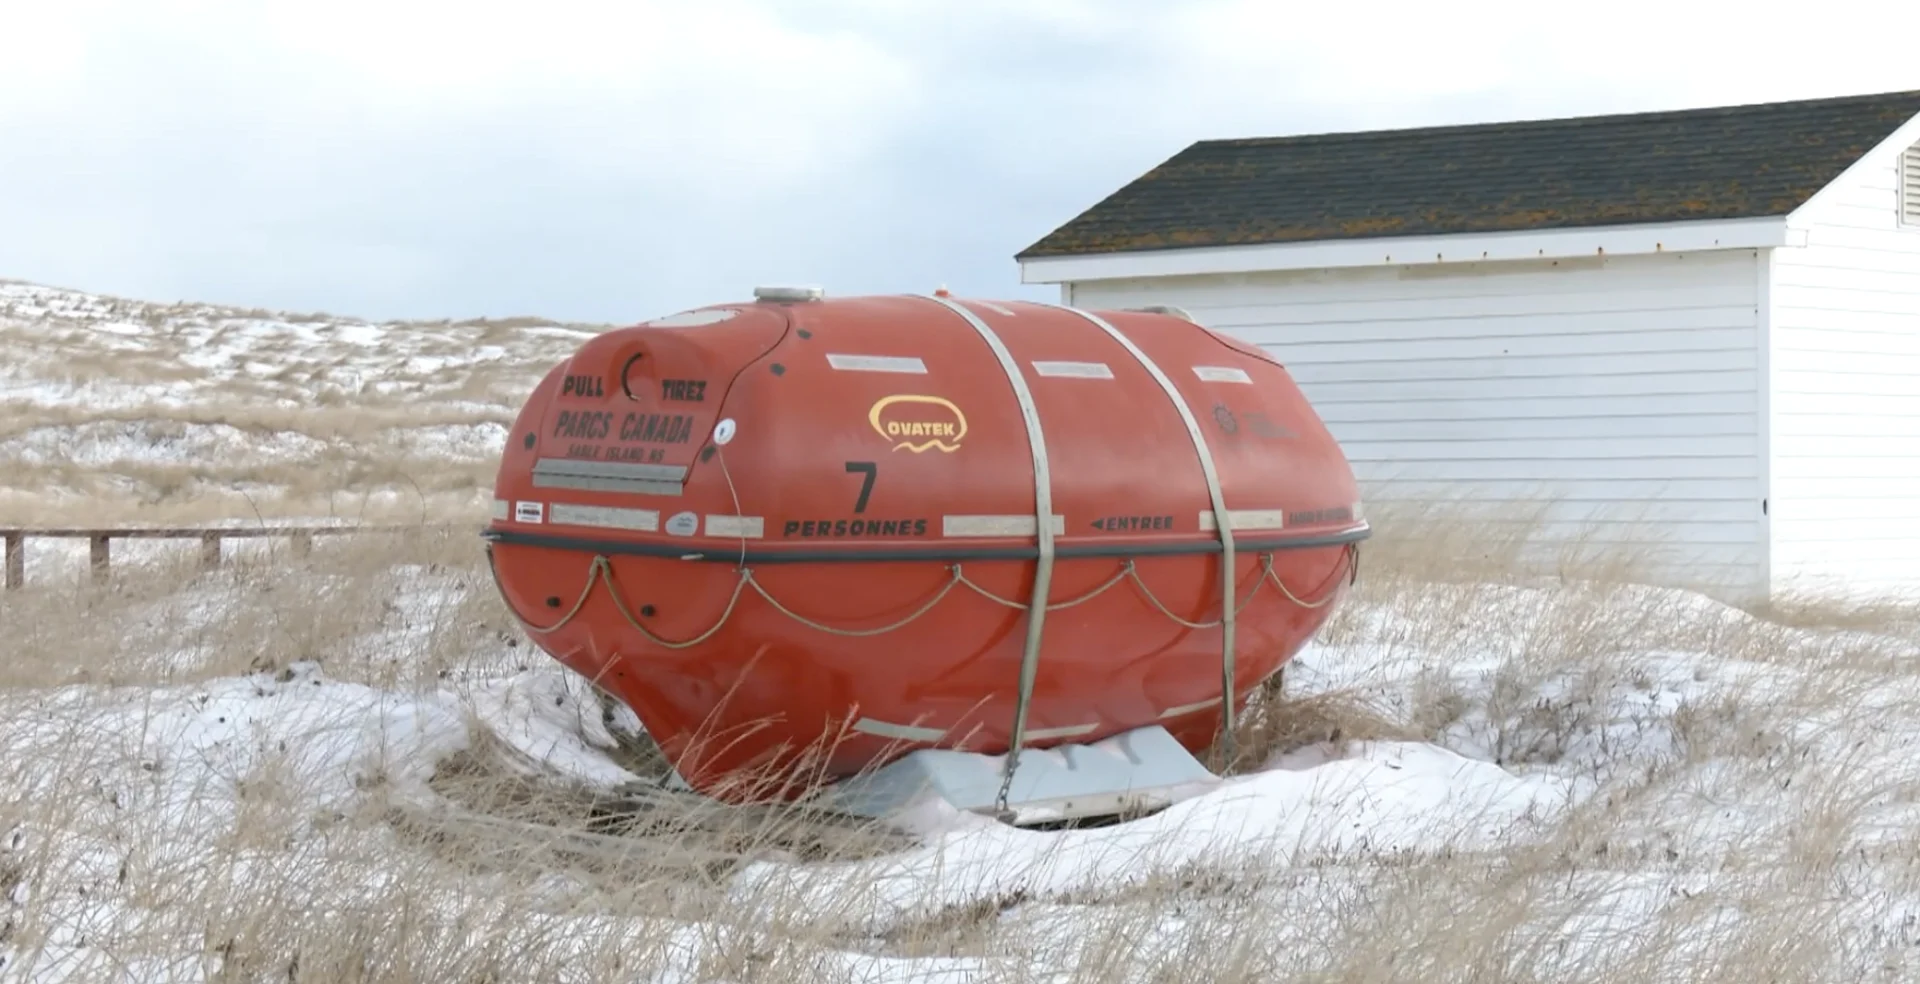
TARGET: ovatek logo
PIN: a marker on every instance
(919, 423)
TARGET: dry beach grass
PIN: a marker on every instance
(1736, 806)
(351, 766)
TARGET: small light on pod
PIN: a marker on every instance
(724, 431)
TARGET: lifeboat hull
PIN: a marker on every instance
(801, 538)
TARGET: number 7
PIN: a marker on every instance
(867, 470)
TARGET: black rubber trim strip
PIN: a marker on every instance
(854, 554)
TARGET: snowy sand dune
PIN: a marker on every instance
(139, 410)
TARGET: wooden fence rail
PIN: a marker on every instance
(211, 538)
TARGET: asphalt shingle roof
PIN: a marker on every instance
(1721, 163)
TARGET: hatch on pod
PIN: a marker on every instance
(635, 405)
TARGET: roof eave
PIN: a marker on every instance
(1612, 240)
(1884, 154)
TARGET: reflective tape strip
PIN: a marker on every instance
(901, 732)
(692, 319)
(741, 527)
(1222, 374)
(876, 363)
(1070, 731)
(608, 476)
(1246, 519)
(909, 732)
(609, 517)
(1075, 370)
(1008, 525)
(502, 509)
(1185, 709)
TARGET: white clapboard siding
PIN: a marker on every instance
(1845, 415)
(1623, 388)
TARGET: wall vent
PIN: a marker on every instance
(1910, 186)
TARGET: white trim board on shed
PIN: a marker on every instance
(1664, 237)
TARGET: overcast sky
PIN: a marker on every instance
(614, 161)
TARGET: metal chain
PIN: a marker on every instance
(613, 591)
(1121, 575)
(1258, 582)
(593, 572)
(957, 578)
(1353, 566)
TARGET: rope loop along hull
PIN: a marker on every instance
(801, 539)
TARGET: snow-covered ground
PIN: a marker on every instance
(180, 409)
(327, 769)
(224, 778)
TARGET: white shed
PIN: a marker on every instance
(1704, 324)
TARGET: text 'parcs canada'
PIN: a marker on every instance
(641, 428)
